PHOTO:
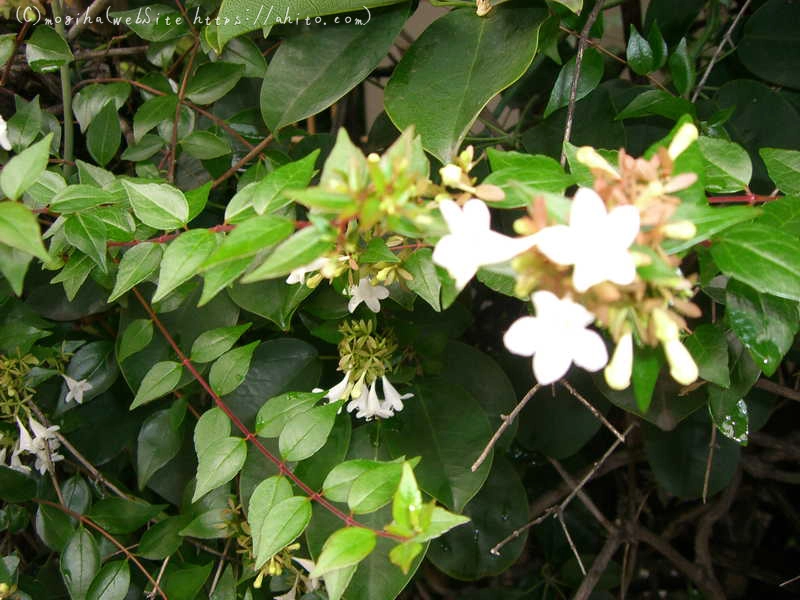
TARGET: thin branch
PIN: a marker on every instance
(573, 90)
(95, 8)
(91, 54)
(598, 415)
(66, 95)
(506, 421)
(247, 158)
(560, 516)
(157, 583)
(712, 444)
(220, 565)
(780, 390)
(17, 41)
(598, 567)
(518, 532)
(583, 497)
(725, 39)
(173, 145)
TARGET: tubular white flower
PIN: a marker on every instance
(369, 294)
(681, 364)
(596, 242)
(369, 405)
(556, 337)
(5, 143)
(618, 371)
(298, 275)
(393, 401)
(337, 392)
(471, 242)
(682, 140)
(76, 389)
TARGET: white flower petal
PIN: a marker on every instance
(558, 244)
(523, 336)
(452, 215)
(623, 224)
(621, 269)
(477, 215)
(551, 364)
(589, 352)
(5, 143)
(588, 210)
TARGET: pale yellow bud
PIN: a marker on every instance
(683, 138)
(592, 159)
(682, 230)
(618, 371)
(681, 364)
(451, 175)
(666, 329)
(484, 7)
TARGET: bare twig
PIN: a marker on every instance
(780, 390)
(712, 444)
(598, 415)
(95, 8)
(573, 91)
(725, 39)
(157, 583)
(220, 566)
(247, 158)
(560, 516)
(17, 41)
(583, 497)
(598, 567)
(173, 145)
(506, 421)
(518, 532)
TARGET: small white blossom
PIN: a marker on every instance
(596, 242)
(369, 294)
(5, 143)
(298, 275)
(618, 372)
(471, 243)
(76, 389)
(42, 445)
(368, 405)
(393, 400)
(338, 391)
(556, 337)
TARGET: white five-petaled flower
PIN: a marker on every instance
(76, 389)
(369, 405)
(471, 243)
(556, 337)
(369, 294)
(393, 400)
(298, 275)
(5, 143)
(42, 445)
(596, 242)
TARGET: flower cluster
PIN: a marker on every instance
(42, 445)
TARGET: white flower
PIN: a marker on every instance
(43, 444)
(76, 389)
(618, 372)
(393, 400)
(369, 405)
(298, 275)
(681, 364)
(369, 294)
(338, 391)
(595, 241)
(471, 242)
(5, 144)
(683, 139)
(556, 337)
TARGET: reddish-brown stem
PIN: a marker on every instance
(168, 237)
(109, 537)
(247, 158)
(173, 146)
(17, 41)
(742, 199)
(249, 435)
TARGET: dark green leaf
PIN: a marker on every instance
(154, 23)
(709, 349)
(120, 515)
(88, 234)
(204, 145)
(215, 342)
(220, 462)
(160, 380)
(592, 69)
(640, 55)
(16, 486)
(103, 136)
(152, 113)
(46, 50)
(681, 67)
(80, 561)
(770, 43)
(212, 81)
(158, 443)
(729, 413)
(111, 583)
(137, 264)
(230, 369)
(182, 260)
(137, 336)
(22, 171)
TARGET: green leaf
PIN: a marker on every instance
(137, 336)
(316, 66)
(243, 51)
(641, 58)
(159, 441)
(79, 197)
(230, 369)
(766, 325)
(709, 348)
(782, 213)
(53, 526)
(154, 23)
(374, 488)
(212, 81)
(708, 221)
(163, 538)
(281, 526)
(74, 274)
(479, 57)
(204, 145)
(268, 494)
(447, 426)
(783, 167)
(681, 67)
(144, 149)
(80, 561)
(426, 282)
(592, 68)
(88, 234)
(766, 259)
(220, 462)
(185, 582)
(159, 381)
(182, 260)
(77, 494)
(770, 43)
(19, 229)
(152, 113)
(103, 136)
(346, 166)
(137, 264)
(160, 206)
(210, 525)
(24, 169)
(657, 45)
(339, 480)
(299, 250)
(657, 102)
(325, 201)
(729, 413)
(212, 426)
(574, 5)
(344, 548)
(111, 583)
(120, 515)
(403, 555)
(14, 265)
(215, 342)
(91, 99)
(15, 486)
(95, 363)
(407, 507)
(307, 432)
(249, 238)
(271, 299)
(727, 165)
(521, 175)
(25, 125)
(377, 251)
(280, 410)
(221, 276)
(46, 51)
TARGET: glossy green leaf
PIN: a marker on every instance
(112, 582)
(20, 230)
(163, 538)
(77, 494)
(243, 51)
(268, 494)
(154, 22)
(284, 522)
(271, 299)
(23, 170)
(160, 206)
(120, 515)
(658, 46)
(230, 369)
(182, 260)
(137, 336)
(79, 197)
(14, 266)
(16, 486)
(425, 282)
(153, 112)
(640, 55)
(729, 413)
(767, 260)
(46, 51)
(249, 238)
(204, 145)
(709, 349)
(95, 363)
(297, 251)
(212, 426)
(770, 43)
(307, 432)
(708, 222)
(79, 563)
(103, 135)
(159, 441)
(374, 488)
(91, 99)
(212, 81)
(455, 67)
(87, 233)
(25, 125)
(783, 167)
(280, 410)
(681, 67)
(52, 525)
(211, 344)
(220, 462)
(316, 66)
(521, 175)
(727, 165)
(592, 68)
(345, 547)
(159, 381)
(657, 102)
(137, 264)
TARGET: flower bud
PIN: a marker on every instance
(681, 230)
(682, 140)
(681, 364)
(590, 157)
(484, 7)
(618, 371)
(451, 175)
(666, 329)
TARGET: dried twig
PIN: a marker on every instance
(598, 567)
(780, 390)
(598, 415)
(712, 444)
(157, 583)
(95, 8)
(506, 421)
